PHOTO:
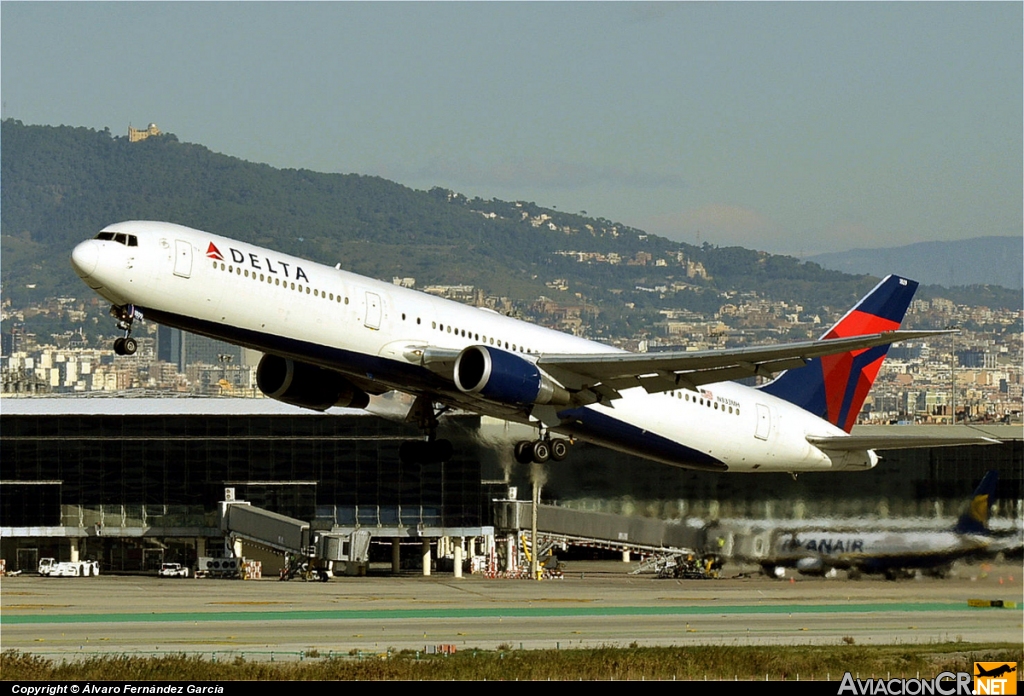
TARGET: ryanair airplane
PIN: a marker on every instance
(334, 338)
(892, 553)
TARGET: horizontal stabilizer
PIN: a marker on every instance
(857, 443)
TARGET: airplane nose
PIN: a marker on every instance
(84, 258)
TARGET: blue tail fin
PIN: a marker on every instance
(975, 517)
(834, 387)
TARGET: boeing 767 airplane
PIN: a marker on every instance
(334, 338)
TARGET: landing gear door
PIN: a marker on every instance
(764, 422)
(182, 258)
(372, 311)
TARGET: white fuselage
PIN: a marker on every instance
(374, 333)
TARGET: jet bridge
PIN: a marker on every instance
(311, 553)
(566, 527)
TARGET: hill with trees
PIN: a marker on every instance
(62, 184)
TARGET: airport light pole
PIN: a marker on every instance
(534, 567)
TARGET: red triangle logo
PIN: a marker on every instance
(214, 253)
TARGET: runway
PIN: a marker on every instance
(596, 604)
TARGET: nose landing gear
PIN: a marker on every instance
(126, 316)
(125, 346)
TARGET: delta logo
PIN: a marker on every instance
(213, 252)
(995, 678)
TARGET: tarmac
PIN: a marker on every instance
(596, 603)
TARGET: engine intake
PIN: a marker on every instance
(505, 377)
(308, 386)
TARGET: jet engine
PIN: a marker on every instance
(505, 377)
(809, 565)
(308, 386)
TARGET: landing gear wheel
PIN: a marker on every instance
(523, 451)
(541, 451)
(119, 346)
(129, 345)
(559, 449)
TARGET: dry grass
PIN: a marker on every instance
(711, 662)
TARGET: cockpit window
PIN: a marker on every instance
(121, 238)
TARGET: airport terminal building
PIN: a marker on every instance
(133, 482)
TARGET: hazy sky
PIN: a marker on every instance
(790, 127)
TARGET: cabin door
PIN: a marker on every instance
(372, 311)
(764, 422)
(182, 258)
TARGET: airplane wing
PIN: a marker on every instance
(605, 374)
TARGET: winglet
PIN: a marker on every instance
(834, 387)
(975, 517)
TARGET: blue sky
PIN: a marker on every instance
(790, 127)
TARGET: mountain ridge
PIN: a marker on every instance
(990, 259)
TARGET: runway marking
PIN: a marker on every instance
(488, 612)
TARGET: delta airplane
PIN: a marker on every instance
(334, 338)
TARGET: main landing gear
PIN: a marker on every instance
(126, 316)
(431, 451)
(540, 451)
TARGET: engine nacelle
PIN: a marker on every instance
(505, 377)
(308, 386)
(810, 565)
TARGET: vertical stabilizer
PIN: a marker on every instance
(975, 517)
(834, 387)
